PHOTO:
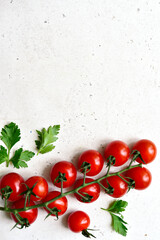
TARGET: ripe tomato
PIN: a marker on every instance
(147, 150)
(141, 176)
(40, 189)
(92, 190)
(94, 158)
(120, 186)
(119, 150)
(67, 168)
(16, 183)
(31, 214)
(61, 203)
(78, 221)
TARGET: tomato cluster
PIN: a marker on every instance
(63, 174)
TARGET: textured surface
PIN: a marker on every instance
(93, 67)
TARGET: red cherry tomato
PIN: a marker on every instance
(147, 150)
(78, 221)
(92, 190)
(94, 158)
(61, 203)
(67, 168)
(119, 150)
(16, 183)
(40, 189)
(31, 214)
(120, 186)
(141, 176)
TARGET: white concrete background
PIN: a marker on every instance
(92, 66)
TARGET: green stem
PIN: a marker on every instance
(5, 203)
(84, 178)
(102, 186)
(26, 198)
(108, 169)
(81, 195)
(7, 162)
(61, 187)
(123, 179)
(75, 190)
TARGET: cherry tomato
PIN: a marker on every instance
(141, 176)
(120, 186)
(61, 203)
(16, 183)
(67, 168)
(94, 158)
(30, 214)
(119, 150)
(40, 189)
(147, 150)
(92, 190)
(78, 221)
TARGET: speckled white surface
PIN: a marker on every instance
(93, 67)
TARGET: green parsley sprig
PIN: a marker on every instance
(46, 138)
(10, 135)
(115, 210)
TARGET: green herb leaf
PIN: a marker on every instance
(10, 135)
(115, 210)
(46, 138)
(21, 157)
(3, 154)
(118, 224)
(118, 206)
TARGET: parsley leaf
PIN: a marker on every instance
(21, 157)
(117, 206)
(118, 224)
(115, 210)
(10, 135)
(46, 138)
(3, 154)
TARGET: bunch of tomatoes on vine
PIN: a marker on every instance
(23, 198)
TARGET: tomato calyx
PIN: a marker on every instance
(109, 189)
(29, 192)
(23, 222)
(86, 198)
(111, 160)
(87, 234)
(85, 167)
(136, 154)
(6, 192)
(60, 179)
(53, 211)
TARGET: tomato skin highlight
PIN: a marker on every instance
(92, 190)
(119, 150)
(60, 204)
(40, 189)
(16, 182)
(64, 167)
(141, 176)
(30, 214)
(94, 158)
(78, 221)
(147, 150)
(120, 186)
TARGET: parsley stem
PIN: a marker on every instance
(7, 162)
